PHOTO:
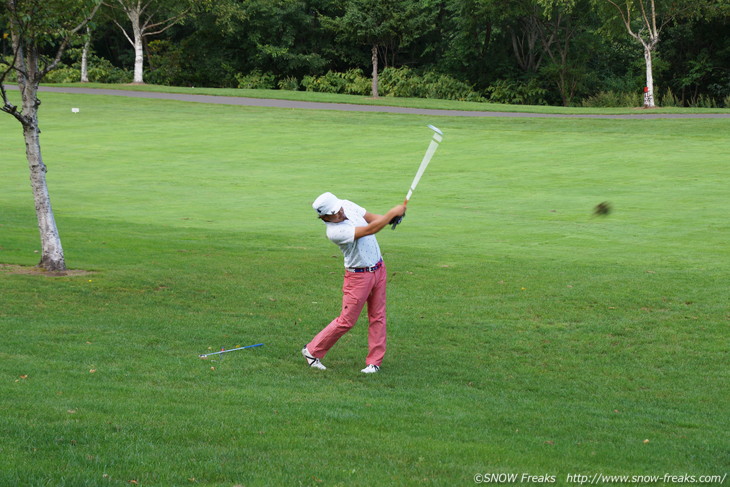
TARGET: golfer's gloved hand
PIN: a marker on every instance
(396, 220)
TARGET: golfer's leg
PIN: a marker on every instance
(355, 290)
(376, 316)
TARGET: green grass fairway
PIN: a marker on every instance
(526, 336)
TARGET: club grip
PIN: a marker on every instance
(396, 220)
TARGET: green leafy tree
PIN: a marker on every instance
(278, 36)
(383, 25)
(40, 32)
(698, 53)
(525, 24)
(475, 28)
(563, 31)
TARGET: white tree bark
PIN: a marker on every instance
(134, 16)
(133, 10)
(649, 95)
(85, 57)
(647, 35)
(374, 58)
(140, 15)
(27, 62)
(52, 257)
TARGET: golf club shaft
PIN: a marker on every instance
(437, 138)
(231, 350)
(424, 163)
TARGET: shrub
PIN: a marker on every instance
(356, 83)
(111, 74)
(403, 82)
(445, 87)
(669, 100)
(614, 99)
(703, 101)
(101, 70)
(256, 80)
(63, 74)
(517, 92)
(166, 60)
(399, 82)
(308, 82)
(290, 83)
(329, 83)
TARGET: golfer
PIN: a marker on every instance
(353, 229)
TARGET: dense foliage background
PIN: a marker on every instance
(556, 52)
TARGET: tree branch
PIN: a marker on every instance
(11, 66)
(16, 24)
(625, 18)
(170, 22)
(647, 22)
(653, 17)
(124, 31)
(142, 8)
(66, 41)
(148, 17)
(9, 107)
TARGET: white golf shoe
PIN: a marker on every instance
(312, 361)
(370, 369)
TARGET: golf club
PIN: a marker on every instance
(435, 140)
(231, 350)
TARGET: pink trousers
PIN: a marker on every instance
(359, 288)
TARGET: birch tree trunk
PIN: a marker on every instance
(649, 95)
(34, 24)
(647, 34)
(374, 57)
(85, 57)
(52, 258)
(133, 10)
(134, 16)
(141, 15)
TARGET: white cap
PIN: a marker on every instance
(327, 204)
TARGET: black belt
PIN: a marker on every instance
(367, 269)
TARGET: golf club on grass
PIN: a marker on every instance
(437, 138)
(231, 350)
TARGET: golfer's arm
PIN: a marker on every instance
(376, 222)
(370, 217)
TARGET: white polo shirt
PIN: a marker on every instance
(363, 252)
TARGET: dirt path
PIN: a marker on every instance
(256, 102)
